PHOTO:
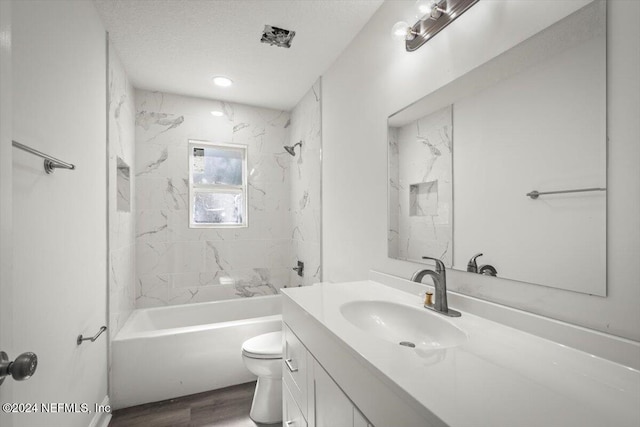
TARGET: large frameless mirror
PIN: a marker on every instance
(509, 161)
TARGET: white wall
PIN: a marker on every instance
(59, 107)
(6, 211)
(375, 76)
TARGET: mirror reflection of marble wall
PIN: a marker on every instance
(123, 184)
(420, 187)
(533, 118)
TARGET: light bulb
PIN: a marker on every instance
(402, 31)
(424, 8)
(222, 81)
(428, 9)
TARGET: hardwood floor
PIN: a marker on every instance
(227, 407)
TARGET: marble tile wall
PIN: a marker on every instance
(393, 206)
(121, 145)
(420, 182)
(305, 175)
(176, 264)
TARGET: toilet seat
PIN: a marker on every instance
(265, 346)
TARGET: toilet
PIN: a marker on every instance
(262, 355)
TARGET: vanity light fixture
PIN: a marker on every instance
(222, 81)
(433, 16)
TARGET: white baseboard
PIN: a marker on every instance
(101, 419)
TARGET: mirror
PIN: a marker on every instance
(470, 163)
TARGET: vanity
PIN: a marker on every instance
(368, 354)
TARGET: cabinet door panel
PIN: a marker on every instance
(294, 368)
(291, 415)
(311, 410)
(332, 408)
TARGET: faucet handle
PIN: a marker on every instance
(439, 264)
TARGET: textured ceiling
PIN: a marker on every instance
(177, 46)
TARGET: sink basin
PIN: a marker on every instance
(396, 323)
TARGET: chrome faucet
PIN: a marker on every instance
(439, 278)
(487, 269)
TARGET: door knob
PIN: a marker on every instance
(20, 369)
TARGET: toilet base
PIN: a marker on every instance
(267, 401)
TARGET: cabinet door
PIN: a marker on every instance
(291, 415)
(332, 408)
(294, 368)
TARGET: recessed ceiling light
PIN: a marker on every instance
(216, 113)
(222, 81)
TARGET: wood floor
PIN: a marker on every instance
(227, 407)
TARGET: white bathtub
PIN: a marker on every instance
(166, 352)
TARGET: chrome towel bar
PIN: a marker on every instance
(93, 338)
(50, 163)
(535, 194)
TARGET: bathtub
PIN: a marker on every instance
(166, 352)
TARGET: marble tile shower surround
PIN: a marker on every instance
(393, 204)
(305, 223)
(176, 264)
(121, 146)
(420, 188)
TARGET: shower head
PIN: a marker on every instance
(291, 148)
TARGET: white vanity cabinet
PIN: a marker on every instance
(310, 396)
(350, 372)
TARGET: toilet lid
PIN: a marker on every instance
(265, 346)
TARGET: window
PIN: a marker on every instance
(217, 185)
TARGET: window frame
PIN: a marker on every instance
(218, 188)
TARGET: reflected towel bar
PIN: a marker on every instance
(535, 194)
(50, 163)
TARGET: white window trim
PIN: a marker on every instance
(218, 188)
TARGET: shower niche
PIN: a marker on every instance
(123, 186)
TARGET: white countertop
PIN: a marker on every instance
(500, 377)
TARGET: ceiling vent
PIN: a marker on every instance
(277, 36)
